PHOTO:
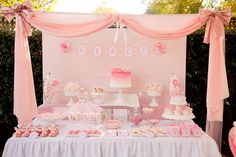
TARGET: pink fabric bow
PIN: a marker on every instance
(23, 11)
(215, 22)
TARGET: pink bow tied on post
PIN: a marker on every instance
(215, 22)
(23, 11)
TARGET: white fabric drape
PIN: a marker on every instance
(112, 147)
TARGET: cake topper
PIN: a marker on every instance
(174, 86)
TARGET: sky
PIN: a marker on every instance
(89, 6)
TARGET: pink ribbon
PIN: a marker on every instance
(215, 22)
(119, 25)
(23, 11)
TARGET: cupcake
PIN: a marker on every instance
(187, 111)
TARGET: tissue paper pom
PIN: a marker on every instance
(161, 47)
(65, 46)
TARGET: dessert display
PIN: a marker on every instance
(178, 113)
(51, 116)
(98, 95)
(174, 86)
(98, 91)
(120, 78)
(89, 117)
(178, 100)
(93, 133)
(184, 130)
(49, 87)
(73, 116)
(112, 124)
(178, 108)
(84, 133)
(154, 89)
(148, 131)
(36, 131)
(136, 119)
(71, 89)
(147, 110)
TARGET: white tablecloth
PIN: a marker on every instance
(112, 147)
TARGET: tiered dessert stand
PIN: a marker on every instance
(71, 90)
(70, 95)
(154, 90)
(178, 111)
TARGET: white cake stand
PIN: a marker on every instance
(70, 95)
(154, 103)
(120, 98)
(98, 98)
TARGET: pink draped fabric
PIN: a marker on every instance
(59, 28)
(186, 29)
(24, 104)
(25, 107)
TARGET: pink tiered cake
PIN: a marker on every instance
(120, 78)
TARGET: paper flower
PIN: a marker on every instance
(161, 48)
(65, 46)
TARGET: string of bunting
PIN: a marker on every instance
(158, 48)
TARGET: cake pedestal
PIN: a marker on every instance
(70, 95)
(98, 98)
(154, 103)
(120, 99)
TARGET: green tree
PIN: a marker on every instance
(185, 6)
(231, 3)
(47, 5)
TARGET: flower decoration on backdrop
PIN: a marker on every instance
(65, 46)
(161, 47)
(49, 86)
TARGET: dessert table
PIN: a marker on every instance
(112, 147)
(107, 146)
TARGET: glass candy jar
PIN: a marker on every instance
(136, 117)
